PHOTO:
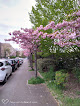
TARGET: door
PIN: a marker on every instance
(8, 68)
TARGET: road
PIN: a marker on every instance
(17, 91)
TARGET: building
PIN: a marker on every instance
(6, 50)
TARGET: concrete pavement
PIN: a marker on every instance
(17, 92)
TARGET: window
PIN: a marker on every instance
(1, 64)
(7, 63)
(10, 62)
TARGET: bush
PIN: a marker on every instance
(37, 80)
(12, 56)
(44, 64)
(31, 70)
(48, 76)
(76, 72)
(66, 61)
(60, 78)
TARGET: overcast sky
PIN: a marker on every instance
(13, 16)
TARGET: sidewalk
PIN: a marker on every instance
(17, 91)
(40, 93)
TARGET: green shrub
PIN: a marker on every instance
(37, 80)
(76, 72)
(50, 75)
(31, 70)
(12, 56)
(78, 92)
(44, 64)
(63, 70)
(60, 78)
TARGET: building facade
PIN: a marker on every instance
(6, 50)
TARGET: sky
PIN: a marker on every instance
(13, 16)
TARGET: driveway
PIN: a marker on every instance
(17, 91)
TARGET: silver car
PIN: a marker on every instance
(5, 70)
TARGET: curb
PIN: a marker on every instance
(40, 75)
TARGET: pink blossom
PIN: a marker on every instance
(72, 36)
(64, 34)
(35, 32)
(40, 28)
(16, 33)
(78, 20)
(44, 35)
(78, 13)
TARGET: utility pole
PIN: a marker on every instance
(0, 49)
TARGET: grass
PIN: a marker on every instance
(71, 102)
(48, 75)
(37, 80)
(57, 92)
(31, 70)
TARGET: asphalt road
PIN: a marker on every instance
(17, 91)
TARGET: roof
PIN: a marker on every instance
(1, 60)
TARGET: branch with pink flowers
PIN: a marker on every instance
(65, 34)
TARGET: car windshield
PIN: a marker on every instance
(1, 64)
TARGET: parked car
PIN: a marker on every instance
(5, 70)
(17, 62)
(13, 64)
(21, 61)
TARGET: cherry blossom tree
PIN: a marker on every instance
(66, 35)
(28, 42)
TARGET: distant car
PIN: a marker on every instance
(5, 70)
(21, 61)
(17, 62)
(13, 64)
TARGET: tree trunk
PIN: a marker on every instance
(35, 53)
(5, 54)
(31, 61)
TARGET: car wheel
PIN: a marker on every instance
(13, 69)
(5, 80)
(11, 74)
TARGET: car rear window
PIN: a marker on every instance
(1, 64)
(10, 62)
(7, 63)
(13, 61)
